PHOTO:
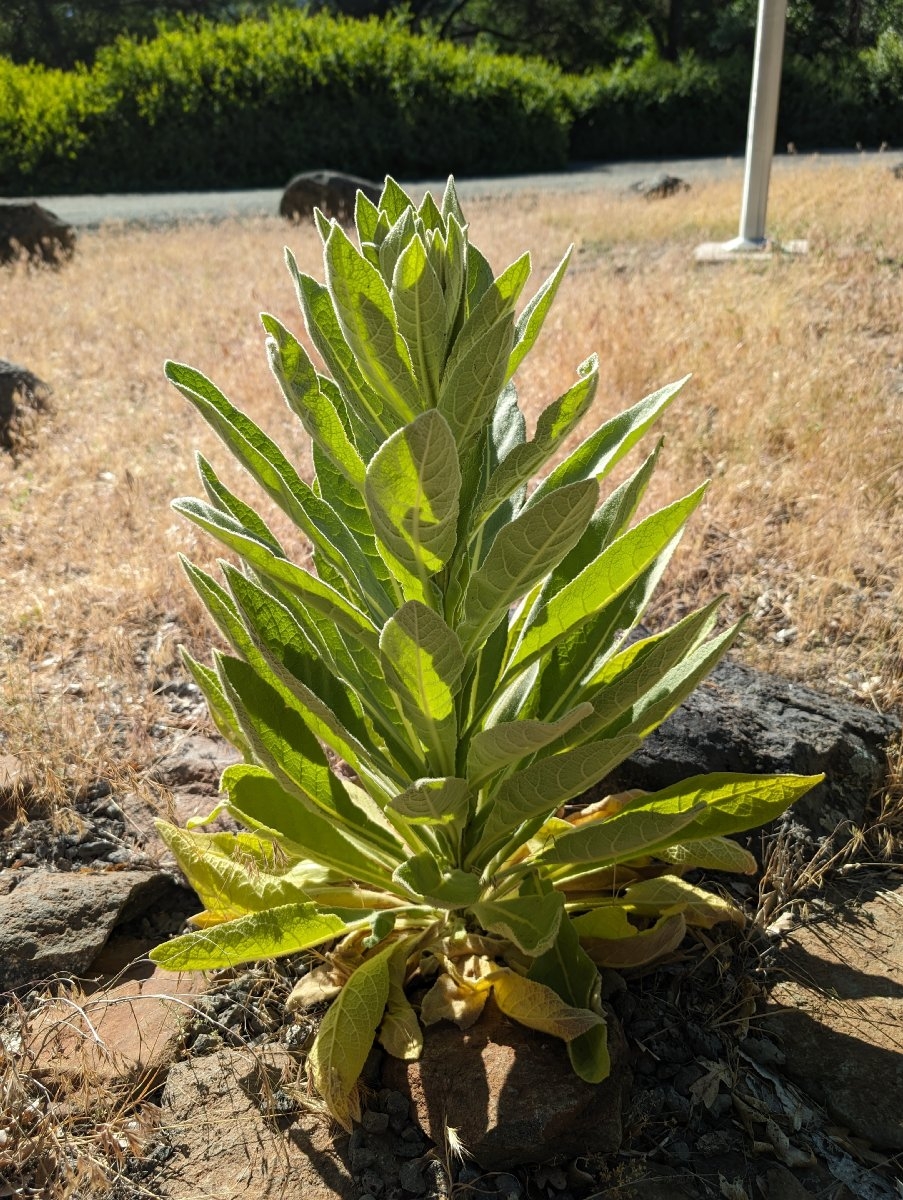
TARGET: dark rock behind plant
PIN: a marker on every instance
(745, 720)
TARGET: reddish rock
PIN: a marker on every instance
(511, 1093)
(226, 1148)
(54, 921)
(127, 1033)
(839, 1010)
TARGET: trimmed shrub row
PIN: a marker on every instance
(248, 105)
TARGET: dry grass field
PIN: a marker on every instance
(793, 411)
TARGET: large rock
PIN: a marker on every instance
(838, 1009)
(331, 191)
(744, 720)
(226, 1147)
(55, 921)
(22, 397)
(28, 229)
(511, 1093)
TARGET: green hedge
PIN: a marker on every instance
(695, 108)
(248, 105)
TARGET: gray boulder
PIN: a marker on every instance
(53, 921)
(27, 229)
(744, 720)
(333, 192)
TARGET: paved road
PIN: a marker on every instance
(89, 212)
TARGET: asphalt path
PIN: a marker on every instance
(166, 208)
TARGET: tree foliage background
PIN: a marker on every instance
(575, 34)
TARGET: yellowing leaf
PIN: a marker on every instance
(539, 1007)
(670, 894)
(400, 1033)
(345, 1036)
(611, 941)
(450, 1000)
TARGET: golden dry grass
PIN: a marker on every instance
(793, 410)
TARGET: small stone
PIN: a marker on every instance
(398, 1108)
(410, 1176)
(509, 1186)
(361, 1158)
(411, 1134)
(375, 1122)
(373, 1183)
(205, 1043)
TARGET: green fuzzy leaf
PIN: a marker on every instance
(533, 317)
(729, 803)
(328, 709)
(624, 679)
(218, 706)
(346, 1034)
(554, 424)
(258, 799)
(300, 385)
(326, 334)
(227, 502)
(614, 839)
(235, 874)
(412, 490)
(365, 313)
(567, 970)
(450, 204)
(444, 887)
(419, 303)
(530, 922)
(602, 450)
(274, 725)
(475, 371)
(711, 854)
(271, 934)
(616, 568)
(394, 200)
(422, 663)
(545, 785)
(511, 741)
(309, 588)
(366, 217)
(522, 553)
(434, 801)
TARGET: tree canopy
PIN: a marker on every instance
(575, 34)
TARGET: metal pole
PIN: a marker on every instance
(763, 120)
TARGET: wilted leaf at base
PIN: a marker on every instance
(346, 1034)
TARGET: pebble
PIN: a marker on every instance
(411, 1178)
(375, 1122)
(373, 1183)
(509, 1186)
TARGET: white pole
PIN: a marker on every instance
(763, 120)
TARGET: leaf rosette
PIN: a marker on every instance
(419, 710)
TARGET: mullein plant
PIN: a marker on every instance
(417, 709)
